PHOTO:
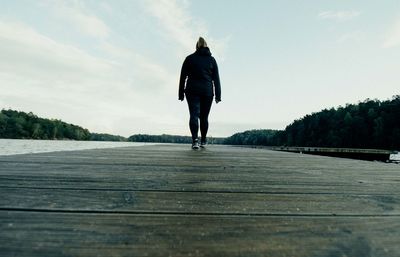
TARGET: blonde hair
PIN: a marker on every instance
(201, 43)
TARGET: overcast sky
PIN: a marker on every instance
(113, 66)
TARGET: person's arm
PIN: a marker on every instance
(217, 84)
(182, 80)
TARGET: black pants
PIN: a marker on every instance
(199, 108)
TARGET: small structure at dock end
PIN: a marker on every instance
(353, 153)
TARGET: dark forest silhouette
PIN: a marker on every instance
(368, 124)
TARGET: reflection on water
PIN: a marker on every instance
(21, 146)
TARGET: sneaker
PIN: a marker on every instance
(203, 144)
(195, 144)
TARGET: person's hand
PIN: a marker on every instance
(217, 100)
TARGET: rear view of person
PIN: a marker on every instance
(198, 81)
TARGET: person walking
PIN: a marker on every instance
(199, 81)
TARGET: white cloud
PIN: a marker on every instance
(173, 16)
(338, 15)
(145, 71)
(179, 26)
(62, 81)
(24, 50)
(58, 80)
(356, 36)
(393, 37)
(76, 13)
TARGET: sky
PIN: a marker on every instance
(113, 66)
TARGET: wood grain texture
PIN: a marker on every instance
(59, 234)
(198, 202)
(167, 200)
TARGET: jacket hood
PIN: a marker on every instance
(203, 51)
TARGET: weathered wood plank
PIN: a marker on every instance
(224, 201)
(198, 202)
(202, 183)
(172, 155)
(176, 168)
(59, 234)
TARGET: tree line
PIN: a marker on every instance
(164, 138)
(21, 125)
(368, 124)
(106, 137)
(253, 137)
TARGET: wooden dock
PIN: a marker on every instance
(167, 200)
(353, 153)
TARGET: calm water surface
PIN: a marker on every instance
(21, 146)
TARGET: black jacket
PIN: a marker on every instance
(201, 71)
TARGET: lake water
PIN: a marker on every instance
(21, 146)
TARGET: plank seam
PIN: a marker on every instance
(194, 213)
(190, 191)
